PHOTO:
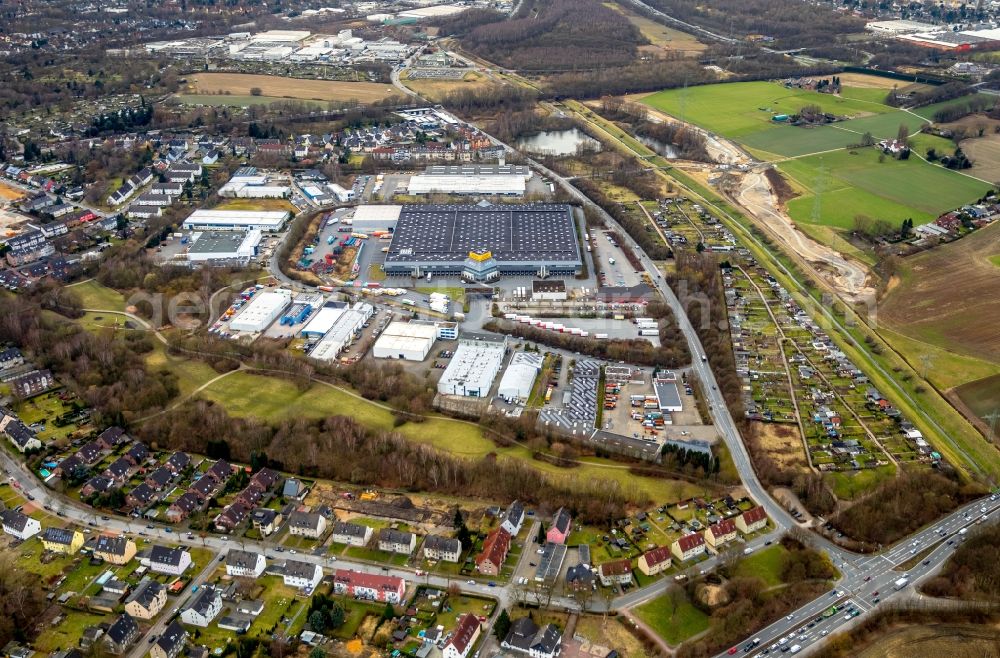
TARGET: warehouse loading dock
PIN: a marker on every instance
(409, 341)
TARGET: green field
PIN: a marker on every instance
(851, 183)
(766, 565)
(93, 295)
(982, 395)
(674, 624)
(738, 109)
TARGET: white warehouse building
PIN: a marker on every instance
(223, 246)
(323, 321)
(520, 376)
(477, 361)
(375, 218)
(411, 341)
(343, 332)
(499, 185)
(263, 309)
(263, 220)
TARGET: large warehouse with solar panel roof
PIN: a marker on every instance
(483, 242)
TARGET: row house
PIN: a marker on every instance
(369, 587)
(302, 575)
(352, 534)
(306, 524)
(147, 600)
(396, 541)
(245, 564)
(437, 547)
(495, 549)
(615, 572)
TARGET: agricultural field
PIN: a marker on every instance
(985, 155)
(946, 297)
(932, 640)
(845, 183)
(241, 100)
(282, 88)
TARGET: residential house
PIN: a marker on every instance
(140, 497)
(119, 471)
(265, 521)
(293, 489)
(580, 577)
(562, 524)
(147, 600)
(19, 525)
(437, 547)
(170, 643)
(219, 471)
(19, 434)
(720, 533)
(654, 561)
(352, 534)
(250, 607)
(115, 550)
(97, 485)
(465, 636)
(68, 465)
(526, 637)
(244, 563)
(137, 454)
(172, 561)
(33, 383)
(495, 549)
(369, 587)
(61, 540)
(306, 524)
(183, 507)
(10, 357)
(91, 453)
(121, 635)
(396, 541)
(159, 479)
(616, 571)
(688, 546)
(513, 518)
(205, 487)
(112, 437)
(231, 517)
(178, 462)
(205, 607)
(752, 520)
(302, 575)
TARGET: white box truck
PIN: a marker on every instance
(901, 583)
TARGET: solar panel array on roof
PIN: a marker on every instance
(550, 564)
(530, 235)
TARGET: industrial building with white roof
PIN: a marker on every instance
(262, 220)
(342, 332)
(520, 376)
(229, 246)
(411, 341)
(491, 185)
(263, 309)
(475, 365)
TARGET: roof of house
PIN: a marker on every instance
(465, 632)
(687, 542)
(264, 478)
(137, 453)
(349, 529)
(58, 536)
(298, 569)
(366, 580)
(119, 469)
(112, 436)
(263, 515)
(562, 520)
(754, 515)
(204, 601)
(161, 477)
(13, 520)
(723, 527)
(164, 555)
(187, 502)
(310, 520)
(442, 544)
(146, 592)
(579, 573)
(111, 545)
(242, 559)
(220, 470)
(525, 635)
(179, 461)
(142, 493)
(393, 536)
(616, 567)
(514, 513)
(171, 637)
(122, 630)
(495, 547)
(658, 555)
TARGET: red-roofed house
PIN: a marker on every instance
(654, 561)
(688, 546)
(371, 587)
(562, 523)
(495, 550)
(465, 636)
(616, 571)
(720, 533)
(751, 520)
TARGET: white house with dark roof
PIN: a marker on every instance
(246, 564)
(172, 561)
(19, 525)
(121, 635)
(526, 637)
(437, 547)
(302, 575)
(205, 607)
(352, 534)
(306, 524)
(170, 643)
(396, 541)
(513, 518)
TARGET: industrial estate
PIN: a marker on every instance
(550, 328)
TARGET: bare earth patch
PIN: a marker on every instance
(294, 88)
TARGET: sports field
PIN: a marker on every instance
(281, 88)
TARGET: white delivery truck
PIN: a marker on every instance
(901, 583)
(795, 649)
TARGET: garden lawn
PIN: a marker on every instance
(67, 634)
(766, 565)
(673, 624)
(94, 295)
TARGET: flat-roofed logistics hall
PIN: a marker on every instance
(483, 241)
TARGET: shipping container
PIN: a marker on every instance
(649, 332)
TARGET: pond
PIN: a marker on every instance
(666, 150)
(557, 142)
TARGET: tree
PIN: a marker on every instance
(389, 612)
(317, 652)
(867, 139)
(903, 134)
(336, 615)
(317, 621)
(256, 91)
(502, 625)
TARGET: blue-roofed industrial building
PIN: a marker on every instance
(296, 314)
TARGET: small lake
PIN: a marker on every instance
(666, 150)
(557, 142)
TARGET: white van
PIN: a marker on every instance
(797, 648)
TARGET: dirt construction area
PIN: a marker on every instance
(783, 444)
(953, 640)
(848, 276)
(947, 296)
(294, 88)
